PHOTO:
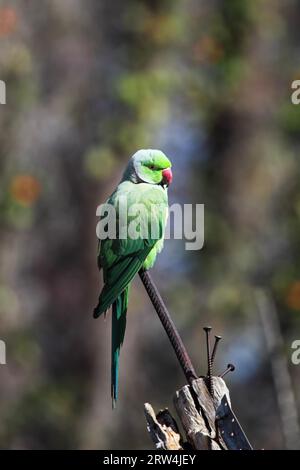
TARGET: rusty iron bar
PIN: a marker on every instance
(169, 326)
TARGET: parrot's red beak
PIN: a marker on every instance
(167, 176)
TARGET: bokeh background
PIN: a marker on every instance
(88, 83)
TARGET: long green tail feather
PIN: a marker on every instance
(119, 310)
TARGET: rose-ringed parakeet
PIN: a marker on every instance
(144, 183)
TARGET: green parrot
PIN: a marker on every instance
(144, 185)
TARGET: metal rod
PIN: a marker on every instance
(168, 324)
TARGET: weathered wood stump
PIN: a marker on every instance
(197, 411)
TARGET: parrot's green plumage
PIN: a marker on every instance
(144, 182)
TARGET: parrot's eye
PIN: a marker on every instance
(151, 167)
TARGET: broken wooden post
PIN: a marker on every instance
(208, 422)
(196, 411)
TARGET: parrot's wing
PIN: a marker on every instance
(118, 278)
(121, 259)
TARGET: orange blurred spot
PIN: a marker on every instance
(25, 189)
(293, 296)
(207, 49)
(8, 20)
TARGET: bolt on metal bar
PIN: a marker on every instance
(169, 326)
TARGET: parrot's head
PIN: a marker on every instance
(151, 166)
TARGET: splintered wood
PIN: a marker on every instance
(163, 429)
(196, 410)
